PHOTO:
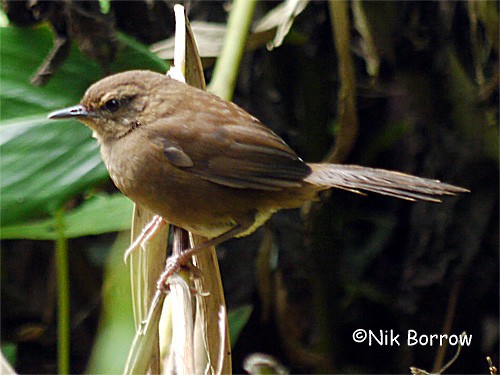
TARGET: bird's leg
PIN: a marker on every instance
(179, 244)
(175, 262)
(148, 232)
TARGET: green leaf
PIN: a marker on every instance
(116, 323)
(100, 214)
(9, 352)
(238, 318)
(44, 163)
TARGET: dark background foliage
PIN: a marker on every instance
(350, 261)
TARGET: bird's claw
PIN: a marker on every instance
(148, 232)
(174, 263)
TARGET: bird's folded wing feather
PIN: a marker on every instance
(245, 156)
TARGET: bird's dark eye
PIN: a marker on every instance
(112, 105)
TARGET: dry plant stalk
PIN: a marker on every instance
(146, 265)
(207, 326)
(192, 338)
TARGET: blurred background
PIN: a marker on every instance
(423, 79)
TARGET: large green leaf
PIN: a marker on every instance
(238, 319)
(44, 163)
(99, 214)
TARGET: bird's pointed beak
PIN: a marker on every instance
(70, 112)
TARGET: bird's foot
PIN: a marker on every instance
(148, 232)
(174, 264)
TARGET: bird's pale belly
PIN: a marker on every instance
(199, 209)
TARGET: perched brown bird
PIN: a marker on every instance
(206, 165)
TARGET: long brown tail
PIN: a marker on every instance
(400, 185)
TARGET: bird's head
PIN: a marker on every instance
(117, 105)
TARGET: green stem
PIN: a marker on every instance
(227, 65)
(63, 324)
(346, 137)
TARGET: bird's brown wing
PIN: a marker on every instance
(245, 156)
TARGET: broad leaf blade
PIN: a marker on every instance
(44, 163)
(99, 214)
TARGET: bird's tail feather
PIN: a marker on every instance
(400, 185)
